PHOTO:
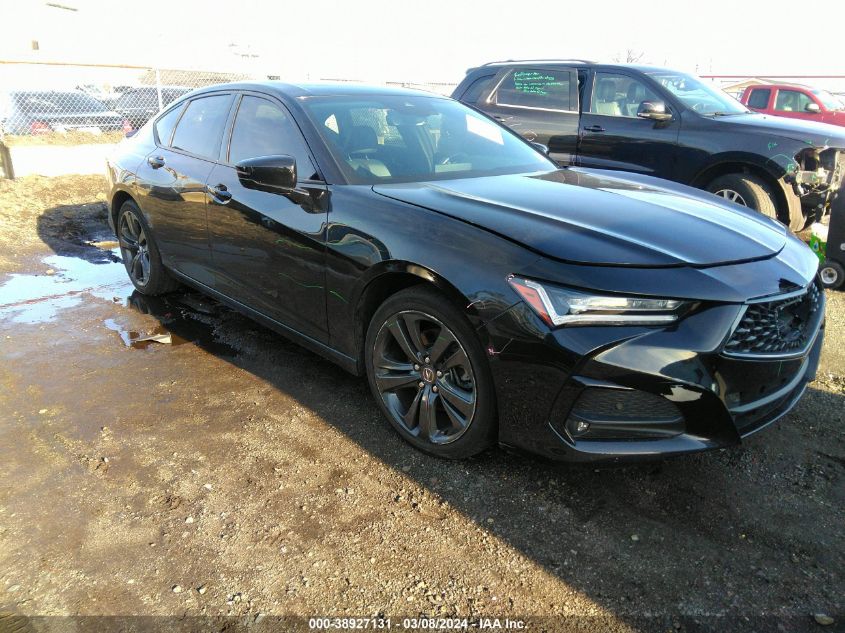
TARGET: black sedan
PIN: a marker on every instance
(33, 112)
(487, 295)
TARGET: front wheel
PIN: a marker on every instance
(746, 190)
(429, 375)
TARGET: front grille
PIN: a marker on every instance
(782, 326)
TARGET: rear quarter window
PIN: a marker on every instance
(473, 93)
(165, 125)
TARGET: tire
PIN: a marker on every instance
(747, 191)
(793, 216)
(832, 274)
(429, 374)
(140, 253)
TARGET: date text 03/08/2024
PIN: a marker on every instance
(436, 624)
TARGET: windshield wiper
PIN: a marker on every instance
(728, 113)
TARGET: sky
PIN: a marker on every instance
(424, 41)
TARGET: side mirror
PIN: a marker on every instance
(812, 108)
(275, 174)
(654, 110)
(543, 149)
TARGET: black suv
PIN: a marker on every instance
(668, 124)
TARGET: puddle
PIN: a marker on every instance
(65, 281)
(184, 317)
(138, 340)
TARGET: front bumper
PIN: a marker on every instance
(543, 378)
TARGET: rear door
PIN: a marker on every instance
(539, 103)
(268, 247)
(614, 137)
(174, 176)
(759, 98)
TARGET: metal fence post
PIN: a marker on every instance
(158, 91)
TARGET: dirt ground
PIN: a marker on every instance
(71, 137)
(221, 478)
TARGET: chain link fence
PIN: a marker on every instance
(55, 103)
(68, 104)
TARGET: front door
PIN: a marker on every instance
(268, 247)
(539, 103)
(792, 104)
(614, 137)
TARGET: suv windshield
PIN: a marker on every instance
(703, 98)
(828, 100)
(384, 138)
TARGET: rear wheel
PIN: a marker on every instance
(140, 253)
(747, 191)
(832, 275)
(429, 375)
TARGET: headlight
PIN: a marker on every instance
(557, 305)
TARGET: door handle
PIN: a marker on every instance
(594, 128)
(156, 161)
(220, 194)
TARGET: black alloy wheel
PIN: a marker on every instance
(134, 248)
(140, 254)
(425, 368)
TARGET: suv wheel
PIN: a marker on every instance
(140, 254)
(746, 190)
(428, 372)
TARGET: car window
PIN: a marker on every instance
(791, 101)
(263, 129)
(164, 126)
(410, 139)
(759, 98)
(473, 93)
(537, 88)
(619, 95)
(201, 127)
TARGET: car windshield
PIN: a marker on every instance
(702, 97)
(828, 100)
(386, 138)
(57, 102)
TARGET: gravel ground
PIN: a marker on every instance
(225, 478)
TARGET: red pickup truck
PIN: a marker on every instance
(795, 102)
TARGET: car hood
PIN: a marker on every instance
(806, 132)
(585, 216)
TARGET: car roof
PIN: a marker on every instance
(570, 63)
(787, 86)
(323, 89)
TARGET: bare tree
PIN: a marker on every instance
(631, 56)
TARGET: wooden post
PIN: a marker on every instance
(6, 169)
